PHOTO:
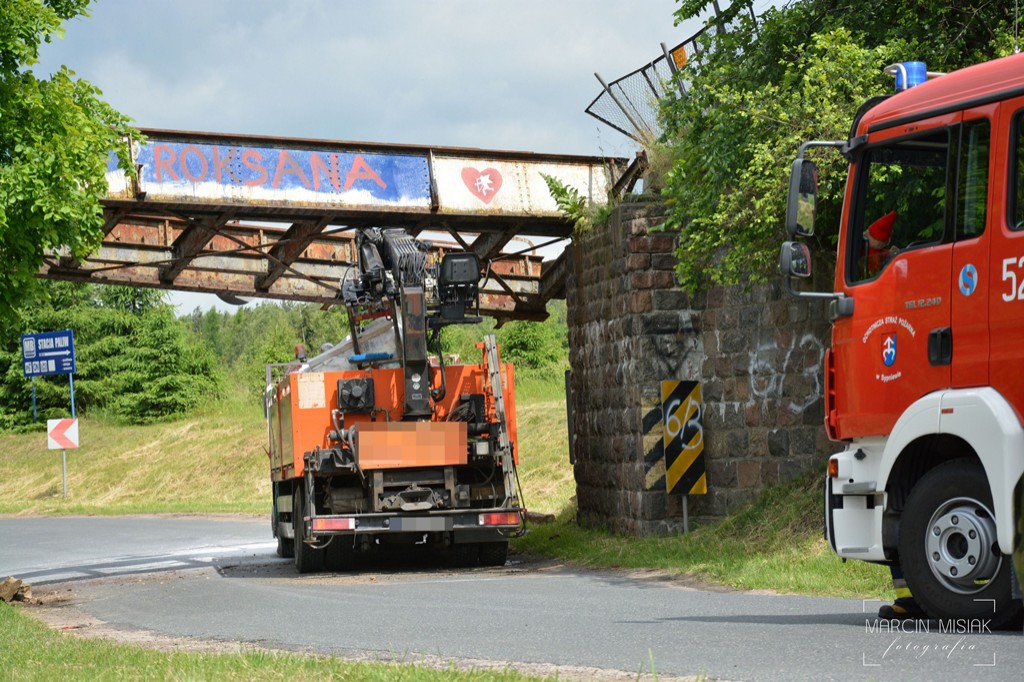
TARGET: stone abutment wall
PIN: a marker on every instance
(757, 354)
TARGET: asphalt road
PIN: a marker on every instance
(219, 579)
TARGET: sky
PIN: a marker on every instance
(493, 75)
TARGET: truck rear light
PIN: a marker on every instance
(833, 468)
(333, 524)
(500, 519)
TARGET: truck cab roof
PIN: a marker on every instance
(972, 86)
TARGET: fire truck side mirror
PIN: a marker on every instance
(801, 207)
(795, 260)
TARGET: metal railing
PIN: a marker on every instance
(630, 104)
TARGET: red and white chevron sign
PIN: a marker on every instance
(62, 434)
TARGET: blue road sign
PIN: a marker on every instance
(48, 353)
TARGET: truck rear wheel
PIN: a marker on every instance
(307, 559)
(494, 553)
(340, 554)
(466, 554)
(285, 546)
(948, 547)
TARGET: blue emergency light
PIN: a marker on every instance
(908, 74)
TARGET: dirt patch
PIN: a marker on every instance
(386, 570)
(382, 570)
(683, 581)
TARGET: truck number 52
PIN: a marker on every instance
(1010, 268)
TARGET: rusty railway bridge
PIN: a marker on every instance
(247, 216)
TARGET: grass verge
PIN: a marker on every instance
(31, 651)
(209, 462)
(774, 544)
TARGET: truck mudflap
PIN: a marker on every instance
(479, 523)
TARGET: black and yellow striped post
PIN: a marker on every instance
(683, 436)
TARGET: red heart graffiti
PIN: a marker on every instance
(483, 184)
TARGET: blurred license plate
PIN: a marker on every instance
(421, 524)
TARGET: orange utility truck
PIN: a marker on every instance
(924, 382)
(375, 442)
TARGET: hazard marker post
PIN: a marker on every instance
(62, 434)
(683, 437)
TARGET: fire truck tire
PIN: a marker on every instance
(307, 559)
(494, 553)
(948, 548)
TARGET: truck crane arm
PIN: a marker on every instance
(396, 280)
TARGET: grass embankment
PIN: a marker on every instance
(210, 462)
(215, 462)
(774, 544)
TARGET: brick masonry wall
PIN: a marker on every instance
(758, 355)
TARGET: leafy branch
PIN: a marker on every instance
(581, 212)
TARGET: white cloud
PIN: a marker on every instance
(506, 75)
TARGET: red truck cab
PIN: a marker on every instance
(925, 376)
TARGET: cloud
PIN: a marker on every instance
(508, 75)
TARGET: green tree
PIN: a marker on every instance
(247, 339)
(760, 90)
(136, 365)
(277, 345)
(56, 137)
(533, 345)
(129, 299)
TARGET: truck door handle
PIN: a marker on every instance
(940, 346)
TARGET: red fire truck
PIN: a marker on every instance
(924, 382)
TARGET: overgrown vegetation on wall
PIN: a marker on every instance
(760, 90)
(576, 208)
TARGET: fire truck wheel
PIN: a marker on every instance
(307, 559)
(948, 547)
(494, 553)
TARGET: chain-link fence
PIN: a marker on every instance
(630, 103)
